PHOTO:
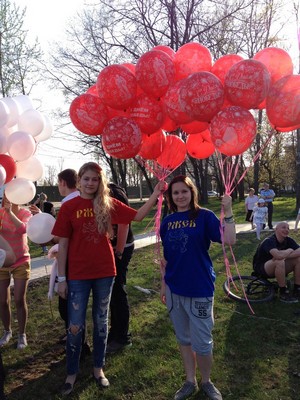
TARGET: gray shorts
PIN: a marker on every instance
(193, 321)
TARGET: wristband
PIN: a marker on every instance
(229, 220)
(61, 279)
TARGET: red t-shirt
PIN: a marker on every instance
(90, 254)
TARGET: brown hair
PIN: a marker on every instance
(194, 206)
(69, 176)
(102, 201)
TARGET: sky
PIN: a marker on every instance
(47, 21)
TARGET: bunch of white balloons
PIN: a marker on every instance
(22, 127)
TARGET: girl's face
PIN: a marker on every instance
(181, 195)
(89, 183)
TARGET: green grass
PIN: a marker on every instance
(255, 355)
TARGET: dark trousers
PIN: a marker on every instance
(119, 307)
(2, 376)
(270, 214)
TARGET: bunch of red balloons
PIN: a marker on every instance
(136, 107)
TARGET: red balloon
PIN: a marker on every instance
(190, 58)
(153, 145)
(92, 90)
(277, 61)
(286, 129)
(172, 104)
(129, 66)
(112, 112)
(247, 83)
(121, 138)
(173, 154)
(147, 113)
(169, 125)
(199, 147)
(166, 49)
(194, 127)
(88, 114)
(233, 130)
(283, 102)
(155, 72)
(117, 86)
(201, 96)
(223, 64)
(9, 165)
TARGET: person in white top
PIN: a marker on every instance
(250, 202)
(259, 216)
(67, 181)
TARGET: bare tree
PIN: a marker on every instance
(114, 31)
(18, 60)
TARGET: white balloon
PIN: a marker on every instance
(4, 133)
(31, 169)
(46, 132)
(31, 121)
(20, 145)
(24, 102)
(39, 228)
(2, 175)
(4, 114)
(20, 191)
(14, 111)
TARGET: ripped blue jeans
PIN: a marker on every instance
(78, 297)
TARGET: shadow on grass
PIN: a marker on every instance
(262, 352)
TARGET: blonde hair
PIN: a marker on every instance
(102, 202)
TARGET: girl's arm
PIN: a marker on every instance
(229, 225)
(146, 208)
(62, 263)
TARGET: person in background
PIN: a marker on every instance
(250, 202)
(7, 258)
(84, 227)
(188, 278)
(259, 216)
(123, 245)
(297, 221)
(46, 207)
(276, 257)
(13, 229)
(67, 187)
(268, 195)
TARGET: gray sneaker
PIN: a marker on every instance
(7, 335)
(186, 390)
(211, 391)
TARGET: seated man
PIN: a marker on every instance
(7, 258)
(276, 257)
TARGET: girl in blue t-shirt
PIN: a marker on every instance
(188, 278)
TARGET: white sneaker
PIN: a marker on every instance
(22, 341)
(5, 338)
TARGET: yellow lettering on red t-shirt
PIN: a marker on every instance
(86, 212)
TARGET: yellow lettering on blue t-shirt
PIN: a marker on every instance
(188, 223)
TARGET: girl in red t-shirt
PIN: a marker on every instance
(84, 226)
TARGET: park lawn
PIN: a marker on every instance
(256, 355)
(284, 210)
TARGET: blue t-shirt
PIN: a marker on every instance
(189, 269)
